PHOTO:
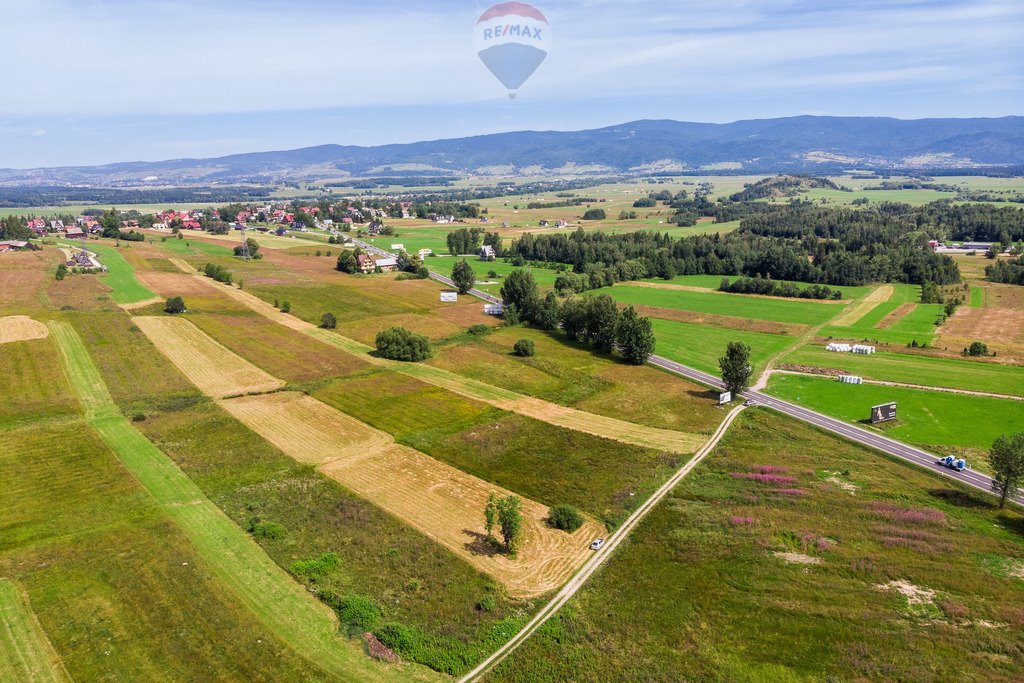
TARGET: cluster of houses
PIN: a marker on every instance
(7, 246)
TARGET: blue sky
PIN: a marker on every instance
(99, 81)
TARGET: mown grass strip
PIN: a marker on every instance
(25, 652)
(308, 626)
(120, 275)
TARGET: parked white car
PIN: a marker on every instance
(597, 545)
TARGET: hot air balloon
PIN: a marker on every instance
(512, 40)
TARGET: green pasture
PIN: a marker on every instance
(714, 281)
(971, 375)
(701, 346)
(120, 275)
(927, 418)
(736, 305)
(700, 593)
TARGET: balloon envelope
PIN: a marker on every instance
(512, 40)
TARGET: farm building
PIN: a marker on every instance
(387, 264)
(487, 253)
(74, 233)
(14, 245)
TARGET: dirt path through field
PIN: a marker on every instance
(26, 654)
(442, 502)
(866, 305)
(561, 416)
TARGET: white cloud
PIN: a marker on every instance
(40, 133)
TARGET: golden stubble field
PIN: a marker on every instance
(215, 370)
(442, 502)
(14, 328)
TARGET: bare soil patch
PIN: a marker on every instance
(214, 369)
(16, 328)
(915, 595)
(896, 316)
(1001, 325)
(798, 558)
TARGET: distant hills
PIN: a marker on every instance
(802, 144)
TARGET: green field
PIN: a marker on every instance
(714, 281)
(915, 369)
(281, 605)
(735, 305)
(917, 325)
(25, 652)
(120, 276)
(927, 418)
(701, 346)
(698, 592)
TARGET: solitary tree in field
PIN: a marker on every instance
(491, 515)
(1007, 461)
(463, 276)
(62, 271)
(634, 337)
(510, 519)
(328, 321)
(736, 368)
(175, 305)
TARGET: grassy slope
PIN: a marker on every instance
(928, 418)
(696, 595)
(922, 370)
(25, 652)
(263, 587)
(737, 305)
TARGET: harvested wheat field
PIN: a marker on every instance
(214, 369)
(853, 316)
(607, 427)
(15, 328)
(171, 284)
(442, 502)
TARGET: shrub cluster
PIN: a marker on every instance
(400, 344)
(218, 273)
(565, 517)
(769, 287)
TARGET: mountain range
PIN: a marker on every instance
(814, 144)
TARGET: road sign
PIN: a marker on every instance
(883, 413)
(725, 399)
(449, 297)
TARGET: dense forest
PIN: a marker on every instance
(1007, 272)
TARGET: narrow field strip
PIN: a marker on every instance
(213, 368)
(15, 328)
(141, 304)
(899, 314)
(440, 501)
(853, 315)
(25, 652)
(711, 290)
(570, 418)
(284, 607)
(120, 276)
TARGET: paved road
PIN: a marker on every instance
(844, 429)
(601, 556)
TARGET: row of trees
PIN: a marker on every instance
(1007, 272)
(856, 261)
(469, 240)
(769, 287)
(596, 321)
